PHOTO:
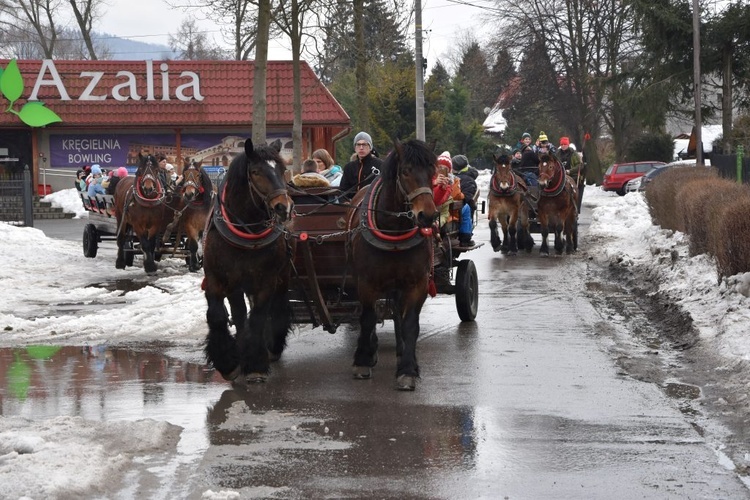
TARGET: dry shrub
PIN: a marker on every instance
(661, 194)
(733, 245)
(698, 200)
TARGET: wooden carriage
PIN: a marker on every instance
(324, 290)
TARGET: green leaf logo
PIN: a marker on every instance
(33, 113)
(11, 82)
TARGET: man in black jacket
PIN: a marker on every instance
(362, 170)
(468, 175)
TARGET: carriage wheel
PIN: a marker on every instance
(90, 241)
(467, 290)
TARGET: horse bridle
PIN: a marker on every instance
(149, 174)
(266, 197)
(409, 196)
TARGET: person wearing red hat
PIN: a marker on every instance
(573, 165)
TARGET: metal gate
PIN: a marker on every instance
(16, 199)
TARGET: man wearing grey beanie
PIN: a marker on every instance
(362, 170)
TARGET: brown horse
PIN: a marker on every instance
(391, 244)
(247, 251)
(556, 209)
(196, 193)
(507, 204)
(140, 209)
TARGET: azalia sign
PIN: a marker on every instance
(33, 113)
(155, 86)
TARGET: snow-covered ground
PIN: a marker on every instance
(43, 275)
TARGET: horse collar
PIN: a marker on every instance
(238, 235)
(377, 238)
(557, 188)
(144, 200)
(509, 191)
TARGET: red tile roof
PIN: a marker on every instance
(227, 87)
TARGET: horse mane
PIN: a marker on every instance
(549, 158)
(412, 152)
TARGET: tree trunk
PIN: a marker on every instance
(259, 78)
(726, 103)
(297, 126)
(85, 21)
(363, 106)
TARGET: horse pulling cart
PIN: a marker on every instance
(102, 226)
(323, 290)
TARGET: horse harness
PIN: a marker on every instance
(240, 233)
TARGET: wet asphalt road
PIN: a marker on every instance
(527, 402)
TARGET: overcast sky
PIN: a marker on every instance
(445, 22)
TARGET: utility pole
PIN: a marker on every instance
(419, 68)
(697, 83)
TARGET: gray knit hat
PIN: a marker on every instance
(363, 136)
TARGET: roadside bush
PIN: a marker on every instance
(733, 245)
(699, 202)
(661, 194)
(658, 147)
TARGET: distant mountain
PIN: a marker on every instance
(130, 50)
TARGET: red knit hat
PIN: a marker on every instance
(564, 141)
(445, 160)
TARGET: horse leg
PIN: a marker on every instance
(192, 247)
(398, 324)
(512, 232)
(558, 238)
(504, 223)
(280, 322)
(221, 347)
(544, 229)
(121, 237)
(251, 341)
(366, 355)
(407, 370)
(494, 238)
(525, 240)
(147, 247)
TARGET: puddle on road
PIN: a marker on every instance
(100, 383)
(121, 285)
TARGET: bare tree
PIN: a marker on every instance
(259, 78)
(289, 18)
(192, 44)
(30, 22)
(85, 12)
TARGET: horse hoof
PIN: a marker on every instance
(231, 376)
(496, 248)
(406, 382)
(362, 372)
(256, 378)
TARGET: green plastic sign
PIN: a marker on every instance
(33, 113)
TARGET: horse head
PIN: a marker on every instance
(147, 179)
(548, 168)
(412, 165)
(265, 175)
(503, 176)
(191, 186)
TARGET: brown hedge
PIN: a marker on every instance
(661, 194)
(733, 238)
(698, 203)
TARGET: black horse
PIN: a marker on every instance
(247, 252)
(391, 253)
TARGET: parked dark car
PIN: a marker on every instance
(619, 174)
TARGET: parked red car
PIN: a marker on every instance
(619, 174)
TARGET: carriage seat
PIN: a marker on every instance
(313, 195)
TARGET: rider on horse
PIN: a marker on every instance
(573, 165)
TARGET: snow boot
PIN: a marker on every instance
(464, 239)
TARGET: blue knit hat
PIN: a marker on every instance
(96, 169)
